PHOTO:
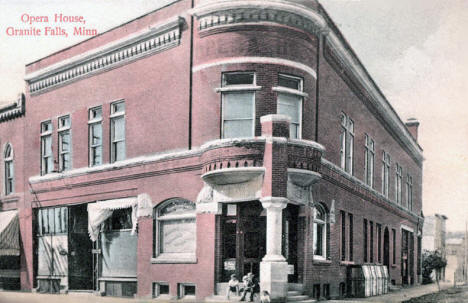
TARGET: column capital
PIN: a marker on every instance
(274, 202)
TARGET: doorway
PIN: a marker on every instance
(386, 260)
(80, 258)
(243, 239)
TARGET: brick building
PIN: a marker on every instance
(207, 138)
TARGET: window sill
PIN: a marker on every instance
(346, 263)
(290, 91)
(234, 88)
(174, 259)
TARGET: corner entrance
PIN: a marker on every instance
(243, 239)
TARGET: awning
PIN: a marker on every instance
(101, 210)
(9, 233)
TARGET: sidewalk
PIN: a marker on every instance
(399, 295)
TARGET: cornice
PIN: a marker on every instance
(13, 110)
(156, 38)
(227, 12)
(363, 190)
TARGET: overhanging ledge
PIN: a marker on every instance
(302, 177)
(232, 175)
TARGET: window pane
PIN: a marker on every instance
(96, 134)
(122, 219)
(48, 145)
(58, 220)
(118, 107)
(294, 131)
(95, 113)
(177, 236)
(289, 105)
(39, 222)
(96, 155)
(119, 128)
(119, 151)
(64, 217)
(51, 220)
(238, 78)
(65, 161)
(45, 220)
(50, 164)
(238, 128)
(65, 141)
(238, 105)
(289, 82)
(318, 245)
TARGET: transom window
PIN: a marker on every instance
(347, 143)
(64, 133)
(238, 108)
(369, 161)
(290, 102)
(320, 232)
(9, 170)
(52, 220)
(385, 173)
(95, 136)
(47, 158)
(175, 229)
(117, 131)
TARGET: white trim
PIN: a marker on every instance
(406, 227)
(257, 60)
(275, 118)
(291, 91)
(233, 88)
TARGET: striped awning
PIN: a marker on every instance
(9, 233)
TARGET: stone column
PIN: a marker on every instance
(274, 268)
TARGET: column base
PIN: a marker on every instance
(274, 279)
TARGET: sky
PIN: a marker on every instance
(416, 51)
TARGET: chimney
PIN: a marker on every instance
(412, 125)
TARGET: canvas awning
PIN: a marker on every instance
(101, 210)
(9, 233)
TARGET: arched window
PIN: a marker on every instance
(9, 170)
(321, 232)
(175, 231)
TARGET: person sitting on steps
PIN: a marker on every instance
(233, 286)
(250, 286)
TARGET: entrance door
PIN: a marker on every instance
(252, 240)
(386, 248)
(243, 239)
(80, 259)
(404, 256)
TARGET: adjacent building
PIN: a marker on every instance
(208, 138)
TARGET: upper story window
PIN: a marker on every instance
(9, 170)
(95, 136)
(64, 136)
(238, 108)
(369, 158)
(290, 95)
(47, 158)
(398, 178)
(409, 191)
(321, 231)
(347, 143)
(385, 173)
(117, 131)
(175, 229)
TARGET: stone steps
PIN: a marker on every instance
(296, 294)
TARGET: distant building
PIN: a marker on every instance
(455, 259)
(434, 235)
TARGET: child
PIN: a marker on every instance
(265, 297)
(233, 286)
